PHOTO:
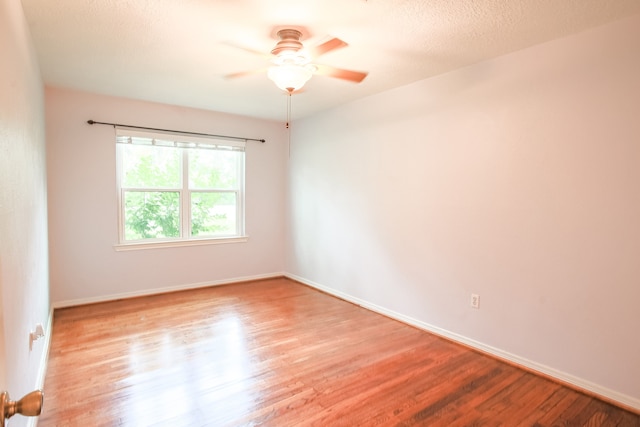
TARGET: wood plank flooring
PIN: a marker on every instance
(278, 353)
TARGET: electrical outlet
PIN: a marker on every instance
(475, 300)
(36, 335)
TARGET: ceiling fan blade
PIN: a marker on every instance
(244, 73)
(338, 73)
(246, 49)
(327, 46)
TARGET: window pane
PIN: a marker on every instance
(151, 166)
(213, 214)
(151, 214)
(214, 169)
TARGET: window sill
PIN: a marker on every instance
(173, 244)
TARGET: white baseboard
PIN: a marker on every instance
(579, 383)
(146, 292)
(44, 359)
(46, 346)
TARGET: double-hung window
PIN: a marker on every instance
(179, 188)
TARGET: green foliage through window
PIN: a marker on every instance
(213, 214)
(151, 214)
(151, 167)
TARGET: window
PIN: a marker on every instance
(175, 188)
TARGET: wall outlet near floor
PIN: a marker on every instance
(35, 335)
(475, 301)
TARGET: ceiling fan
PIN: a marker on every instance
(291, 62)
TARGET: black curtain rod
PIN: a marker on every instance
(93, 122)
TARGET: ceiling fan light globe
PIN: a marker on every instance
(289, 77)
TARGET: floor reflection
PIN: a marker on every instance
(185, 371)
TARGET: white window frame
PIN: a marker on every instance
(182, 143)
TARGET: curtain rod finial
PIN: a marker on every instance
(90, 122)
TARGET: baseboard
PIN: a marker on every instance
(626, 402)
(44, 359)
(147, 292)
(46, 346)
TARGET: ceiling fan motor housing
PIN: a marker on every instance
(289, 42)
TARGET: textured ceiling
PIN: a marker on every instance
(177, 51)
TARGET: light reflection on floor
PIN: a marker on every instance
(178, 376)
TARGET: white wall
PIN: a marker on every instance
(83, 212)
(24, 295)
(517, 179)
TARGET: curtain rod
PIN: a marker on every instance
(93, 122)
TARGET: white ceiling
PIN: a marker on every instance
(177, 51)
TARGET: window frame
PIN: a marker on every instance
(183, 143)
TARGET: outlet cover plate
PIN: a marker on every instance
(475, 301)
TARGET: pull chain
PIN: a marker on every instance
(288, 110)
(288, 125)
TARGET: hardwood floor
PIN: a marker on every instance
(278, 353)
